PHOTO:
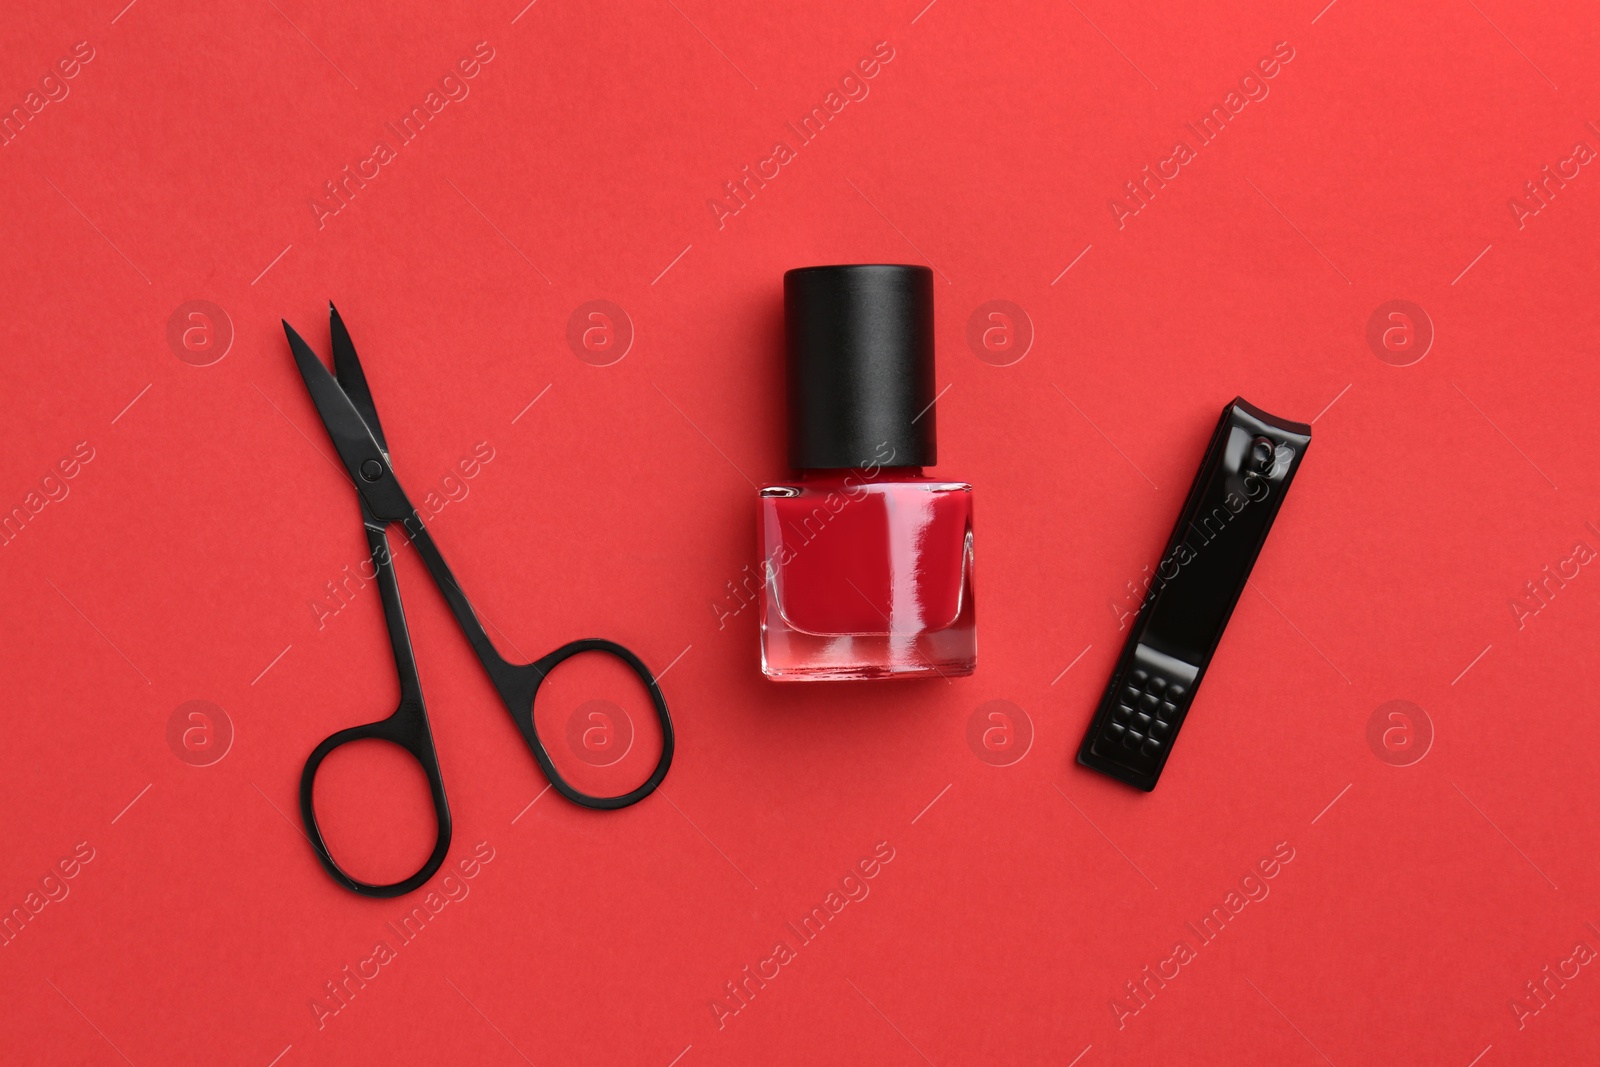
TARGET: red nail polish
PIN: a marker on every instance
(867, 561)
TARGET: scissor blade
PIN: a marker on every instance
(347, 368)
(346, 428)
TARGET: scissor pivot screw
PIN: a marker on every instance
(372, 470)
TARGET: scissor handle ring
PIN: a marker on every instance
(541, 669)
(408, 728)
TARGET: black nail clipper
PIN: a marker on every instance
(1242, 481)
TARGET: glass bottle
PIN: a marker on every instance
(867, 561)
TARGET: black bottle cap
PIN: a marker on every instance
(860, 354)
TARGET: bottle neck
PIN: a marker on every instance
(859, 475)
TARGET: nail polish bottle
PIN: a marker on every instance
(867, 561)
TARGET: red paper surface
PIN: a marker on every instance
(1382, 161)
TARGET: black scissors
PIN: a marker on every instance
(352, 421)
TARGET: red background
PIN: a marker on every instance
(185, 559)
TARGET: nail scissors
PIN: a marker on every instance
(346, 407)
